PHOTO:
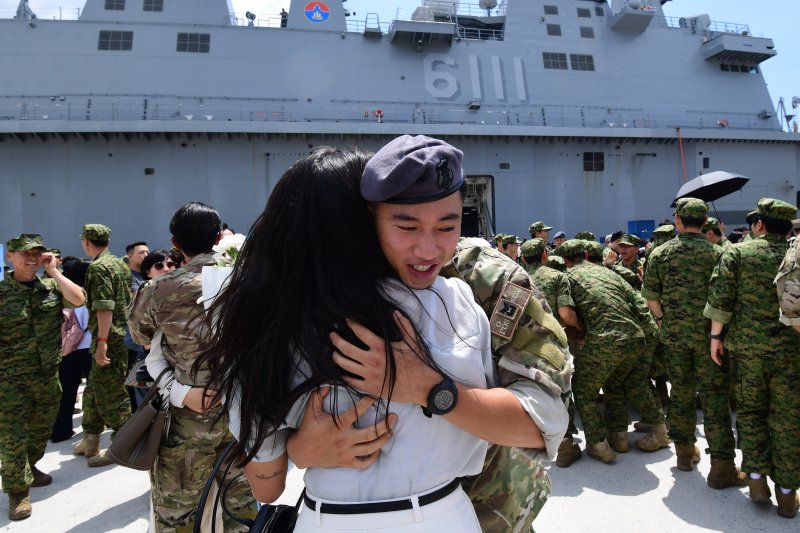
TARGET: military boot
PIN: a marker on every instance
(601, 451)
(724, 474)
(642, 427)
(655, 440)
(78, 448)
(19, 505)
(568, 453)
(618, 440)
(759, 490)
(688, 455)
(787, 503)
(40, 479)
(91, 449)
(101, 459)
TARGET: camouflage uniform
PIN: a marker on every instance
(660, 367)
(620, 337)
(765, 351)
(195, 440)
(788, 285)
(677, 276)
(105, 400)
(30, 350)
(533, 361)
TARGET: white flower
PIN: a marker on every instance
(227, 250)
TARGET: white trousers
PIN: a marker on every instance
(453, 513)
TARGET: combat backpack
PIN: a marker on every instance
(787, 283)
(71, 332)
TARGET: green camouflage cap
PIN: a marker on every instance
(95, 232)
(553, 261)
(507, 239)
(586, 236)
(711, 223)
(539, 226)
(533, 248)
(25, 242)
(55, 251)
(691, 207)
(667, 230)
(776, 209)
(498, 236)
(572, 247)
(594, 250)
(630, 240)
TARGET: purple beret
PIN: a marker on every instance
(412, 170)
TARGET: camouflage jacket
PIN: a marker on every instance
(30, 328)
(677, 276)
(787, 283)
(169, 303)
(108, 287)
(553, 284)
(629, 274)
(529, 345)
(742, 296)
(610, 308)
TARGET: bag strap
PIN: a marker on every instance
(153, 391)
(201, 505)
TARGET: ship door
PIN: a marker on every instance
(478, 215)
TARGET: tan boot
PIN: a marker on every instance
(655, 440)
(642, 427)
(601, 451)
(787, 503)
(759, 490)
(568, 453)
(40, 479)
(101, 459)
(90, 444)
(724, 474)
(618, 440)
(688, 455)
(78, 447)
(19, 505)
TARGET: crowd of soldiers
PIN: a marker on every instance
(692, 309)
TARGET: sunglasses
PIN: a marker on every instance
(160, 265)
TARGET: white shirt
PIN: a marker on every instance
(82, 316)
(423, 453)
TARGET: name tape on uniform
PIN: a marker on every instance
(508, 310)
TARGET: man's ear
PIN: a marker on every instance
(175, 243)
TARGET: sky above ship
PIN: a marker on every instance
(775, 19)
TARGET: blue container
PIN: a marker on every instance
(642, 228)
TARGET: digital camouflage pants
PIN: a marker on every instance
(183, 465)
(621, 370)
(510, 491)
(105, 400)
(691, 369)
(768, 415)
(28, 408)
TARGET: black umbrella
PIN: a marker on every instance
(711, 186)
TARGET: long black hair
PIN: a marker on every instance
(312, 259)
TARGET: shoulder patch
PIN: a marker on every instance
(509, 309)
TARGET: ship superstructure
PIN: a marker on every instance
(583, 113)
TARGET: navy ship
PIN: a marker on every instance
(584, 113)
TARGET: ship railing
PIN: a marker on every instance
(271, 20)
(482, 34)
(467, 9)
(714, 26)
(131, 108)
(360, 26)
(45, 13)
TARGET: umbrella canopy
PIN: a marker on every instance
(711, 186)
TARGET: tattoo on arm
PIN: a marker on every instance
(267, 477)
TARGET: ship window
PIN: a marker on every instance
(115, 40)
(706, 162)
(584, 13)
(551, 10)
(553, 60)
(587, 32)
(115, 5)
(194, 42)
(599, 12)
(581, 62)
(554, 29)
(153, 5)
(594, 161)
(725, 68)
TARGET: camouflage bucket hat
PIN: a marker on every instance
(691, 208)
(96, 232)
(25, 242)
(630, 240)
(667, 230)
(572, 247)
(711, 223)
(538, 226)
(594, 250)
(586, 236)
(533, 248)
(776, 209)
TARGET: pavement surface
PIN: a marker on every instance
(639, 492)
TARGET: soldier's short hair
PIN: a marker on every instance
(195, 227)
(692, 222)
(129, 248)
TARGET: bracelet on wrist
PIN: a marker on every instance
(101, 339)
(715, 337)
(659, 318)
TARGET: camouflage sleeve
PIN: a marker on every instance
(653, 286)
(564, 298)
(626, 274)
(641, 312)
(99, 288)
(787, 283)
(142, 321)
(722, 287)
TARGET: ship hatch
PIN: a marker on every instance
(478, 214)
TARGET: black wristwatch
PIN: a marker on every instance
(442, 399)
(717, 337)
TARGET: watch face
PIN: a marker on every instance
(443, 400)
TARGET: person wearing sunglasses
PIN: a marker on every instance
(157, 263)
